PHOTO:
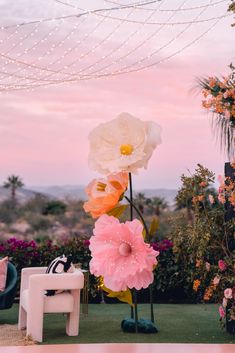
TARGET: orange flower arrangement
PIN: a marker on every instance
(219, 98)
(104, 194)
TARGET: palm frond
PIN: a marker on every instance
(224, 132)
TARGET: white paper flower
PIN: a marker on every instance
(123, 144)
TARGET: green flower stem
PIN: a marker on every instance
(151, 302)
(136, 310)
(133, 206)
(133, 294)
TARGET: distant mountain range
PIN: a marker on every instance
(22, 195)
(76, 192)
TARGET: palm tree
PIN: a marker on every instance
(157, 204)
(13, 183)
(232, 8)
(140, 201)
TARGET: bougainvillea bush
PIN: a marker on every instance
(204, 242)
(31, 253)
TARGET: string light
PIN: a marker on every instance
(77, 15)
(168, 10)
(162, 47)
(153, 23)
(50, 66)
(117, 73)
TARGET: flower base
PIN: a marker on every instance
(144, 326)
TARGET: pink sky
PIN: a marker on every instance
(43, 134)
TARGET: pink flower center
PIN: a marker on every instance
(125, 249)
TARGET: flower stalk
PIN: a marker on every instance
(133, 206)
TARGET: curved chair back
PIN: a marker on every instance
(7, 297)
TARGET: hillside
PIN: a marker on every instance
(78, 192)
(22, 195)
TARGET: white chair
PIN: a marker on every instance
(34, 303)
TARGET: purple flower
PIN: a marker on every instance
(162, 245)
(86, 243)
(2, 248)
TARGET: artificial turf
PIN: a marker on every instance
(177, 323)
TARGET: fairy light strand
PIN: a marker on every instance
(31, 74)
(170, 10)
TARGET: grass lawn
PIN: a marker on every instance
(184, 323)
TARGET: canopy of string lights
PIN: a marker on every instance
(51, 42)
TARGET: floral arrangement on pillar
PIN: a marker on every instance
(219, 98)
(122, 257)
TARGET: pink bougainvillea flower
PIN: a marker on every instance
(228, 293)
(211, 199)
(104, 194)
(120, 255)
(222, 265)
(216, 280)
(208, 266)
(225, 302)
(221, 312)
(123, 144)
(221, 198)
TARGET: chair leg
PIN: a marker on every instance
(22, 318)
(35, 325)
(72, 324)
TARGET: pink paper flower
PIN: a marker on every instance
(228, 293)
(221, 312)
(120, 255)
(222, 265)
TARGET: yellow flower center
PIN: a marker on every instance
(126, 150)
(101, 186)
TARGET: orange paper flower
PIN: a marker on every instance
(104, 194)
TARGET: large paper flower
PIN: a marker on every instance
(120, 255)
(123, 144)
(104, 194)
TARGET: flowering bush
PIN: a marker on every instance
(227, 191)
(30, 253)
(205, 245)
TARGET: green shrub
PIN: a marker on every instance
(54, 207)
(39, 222)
